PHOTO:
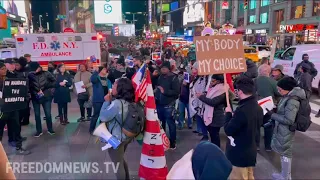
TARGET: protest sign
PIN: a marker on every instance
(220, 54)
(266, 104)
(156, 56)
(14, 94)
(186, 77)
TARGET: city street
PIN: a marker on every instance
(72, 143)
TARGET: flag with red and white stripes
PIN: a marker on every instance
(153, 164)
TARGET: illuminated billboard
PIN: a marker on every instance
(108, 12)
(193, 12)
(127, 30)
(15, 7)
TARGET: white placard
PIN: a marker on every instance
(266, 104)
(79, 88)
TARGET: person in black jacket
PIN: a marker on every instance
(305, 79)
(22, 71)
(166, 94)
(216, 100)
(41, 84)
(241, 128)
(62, 93)
(184, 104)
(305, 60)
(11, 117)
(252, 70)
(119, 71)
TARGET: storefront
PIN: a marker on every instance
(257, 36)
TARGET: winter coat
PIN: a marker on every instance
(252, 70)
(98, 92)
(305, 82)
(282, 139)
(62, 93)
(218, 103)
(115, 74)
(243, 127)
(313, 70)
(44, 81)
(266, 86)
(85, 77)
(171, 86)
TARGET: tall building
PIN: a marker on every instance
(288, 21)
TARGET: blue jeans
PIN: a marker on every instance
(201, 126)
(96, 112)
(165, 116)
(46, 105)
(182, 109)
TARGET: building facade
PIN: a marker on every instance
(288, 21)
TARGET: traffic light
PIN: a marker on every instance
(245, 5)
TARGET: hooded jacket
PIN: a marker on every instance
(282, 139)
(252, 70)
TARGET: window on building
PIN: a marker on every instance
(264, 18)
(252, 19)
(264, 2)
(316, 8)
(253, 4)
(298, 12)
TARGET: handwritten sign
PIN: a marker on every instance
(156, 56)
(15, 92)
(220, 54)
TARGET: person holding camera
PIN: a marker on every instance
(288, 107)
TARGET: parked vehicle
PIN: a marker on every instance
(263, 50)
(293, 55)
(251, 53)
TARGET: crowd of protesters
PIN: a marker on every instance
(179, 103)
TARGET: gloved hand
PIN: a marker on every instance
(269, 112)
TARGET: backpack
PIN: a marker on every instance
(303, 119)
(134, 123)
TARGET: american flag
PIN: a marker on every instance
(139, 81)
(153, 164)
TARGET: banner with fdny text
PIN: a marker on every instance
(14, 94)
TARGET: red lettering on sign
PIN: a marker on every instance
(34, 45)
(74, 45)
(71, 45)
(49, 54)
(65, 45)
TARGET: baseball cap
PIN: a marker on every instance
(10, 61)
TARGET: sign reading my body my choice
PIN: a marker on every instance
(15, 92)
(220, 54)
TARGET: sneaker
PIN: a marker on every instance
(21, 151)
(317, 115)
(51, 133)
(205, 138)
(80, 119)
(38, 134)
(173, 147)
(258, 149)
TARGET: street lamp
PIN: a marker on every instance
(133, 15)
(40, 16)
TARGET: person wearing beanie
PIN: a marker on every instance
(166, 93)
(277, 72)
(305, 60)
(119, 71)
(100, 87)
(282, 139)
(214, 104)
(41, 84)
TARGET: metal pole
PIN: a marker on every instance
(40, 20)
(161, 40)
(133, 18)
(67, 13)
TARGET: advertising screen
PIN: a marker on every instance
(126, 30)
(165, 8)
(107, 12)
(16, 7)
(174, 5)
(194, 12)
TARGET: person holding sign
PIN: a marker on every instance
(62, 93)
(41, 84)
(241, 128)
(214, 103)
(10, 115)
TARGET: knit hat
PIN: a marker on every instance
(287, 83)
(33, 66)
(209, 162)
(9, 61)
(278, 67)
(195, 65)
(305, 66)
(218, 77)
(22, 61)
(166, 64)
